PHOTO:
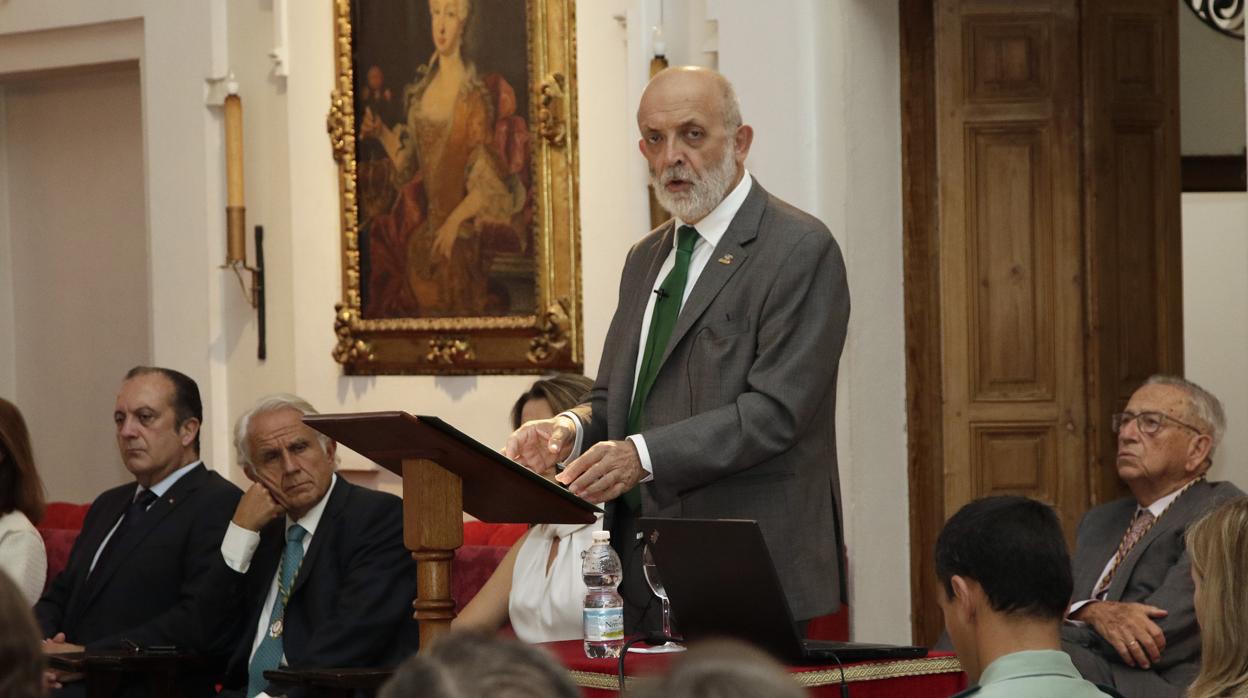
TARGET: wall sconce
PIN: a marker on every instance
(236, 214)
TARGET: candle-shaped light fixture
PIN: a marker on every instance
(235, 212)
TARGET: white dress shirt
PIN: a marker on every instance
(159, 489)
(240, 544)
(710, 230)
(1156, 508)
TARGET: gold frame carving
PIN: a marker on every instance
(547, 340)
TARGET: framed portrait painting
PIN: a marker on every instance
(453, 123)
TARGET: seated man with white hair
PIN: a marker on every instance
(1132, 622)
(327, 581)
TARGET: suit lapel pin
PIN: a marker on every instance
(726, 259)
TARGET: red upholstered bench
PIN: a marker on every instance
(61, 523)
(485, 545)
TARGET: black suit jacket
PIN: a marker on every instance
(351, 603)
(155, 589)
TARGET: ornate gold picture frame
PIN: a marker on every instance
(453, 123)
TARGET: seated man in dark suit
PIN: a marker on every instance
(328, 582)
(1005, 573)
(138, 571)
(1132, 623)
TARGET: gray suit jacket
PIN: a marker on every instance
(1156, 572)
(739, 422)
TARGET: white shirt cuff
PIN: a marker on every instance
(643, 453)
(1074, 607)
(576, 445)
(238, 547)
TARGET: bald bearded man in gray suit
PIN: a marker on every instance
(716, 392)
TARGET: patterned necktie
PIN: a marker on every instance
(1139, 526)
(269, 654)
(134, 512)
(662, 322)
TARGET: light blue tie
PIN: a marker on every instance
(269, 654)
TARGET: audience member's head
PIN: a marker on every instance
(158, 415)
(1005, 571)
(465, 665)
(1166, 436)
(295, 462)
(1218, 547)
(20, 486)
(726, 669)
(550, 396)
(21, 652)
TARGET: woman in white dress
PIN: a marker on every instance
(538, 585)
(22, 555)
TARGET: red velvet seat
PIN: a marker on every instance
(61, 523)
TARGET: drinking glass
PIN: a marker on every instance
(651, 571)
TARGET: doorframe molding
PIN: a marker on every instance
(921, 293)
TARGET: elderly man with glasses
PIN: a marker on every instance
(1131, 624)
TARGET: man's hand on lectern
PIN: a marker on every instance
(604, 472)
(540, 444)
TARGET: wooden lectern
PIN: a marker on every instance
(446, 472)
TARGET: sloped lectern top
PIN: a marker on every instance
(495, 489)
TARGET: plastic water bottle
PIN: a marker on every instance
(604, 607)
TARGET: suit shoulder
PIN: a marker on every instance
(781, 214)
(370, 503)
(1223, 490)
(218, 489)
(652, 239)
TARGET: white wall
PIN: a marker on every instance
(1215, 315)
(183, 188)
(77, 244)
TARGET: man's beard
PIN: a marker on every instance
(704, 193)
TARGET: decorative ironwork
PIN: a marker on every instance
(1224, 16)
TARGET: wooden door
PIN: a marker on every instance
(1132, 210)
(1007, 159)
(1041, 210)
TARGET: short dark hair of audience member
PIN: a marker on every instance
(21, 652)
(560, 392)
(462, 664)
(726, 669)
(20, 486)
(186, 402)
(1012, 547)
(1218, 547)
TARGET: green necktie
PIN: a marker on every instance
(662, 321)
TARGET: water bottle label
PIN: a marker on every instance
(604, 624)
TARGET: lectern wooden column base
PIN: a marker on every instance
(445, 473)
(433, 529)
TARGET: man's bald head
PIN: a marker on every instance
(693, 139)
(689, 84)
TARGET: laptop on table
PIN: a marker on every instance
(721, 582)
